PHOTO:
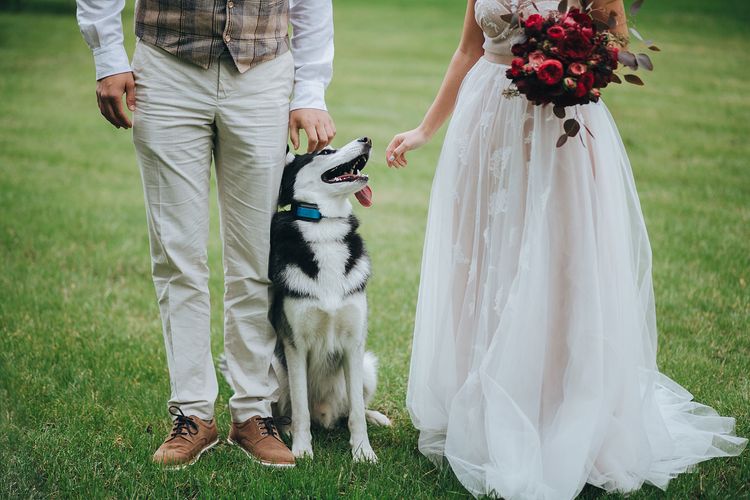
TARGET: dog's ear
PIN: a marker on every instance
(286, 189)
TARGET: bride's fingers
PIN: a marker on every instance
(400, 160)
(399, 154)
(390, 157)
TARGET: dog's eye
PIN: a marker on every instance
(326, 152)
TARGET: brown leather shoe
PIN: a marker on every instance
(190, 437)
(258, 437)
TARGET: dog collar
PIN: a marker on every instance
(306, 211)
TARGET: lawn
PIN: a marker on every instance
(83, 377)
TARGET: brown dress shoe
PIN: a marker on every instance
(258, 437)
(190, 437)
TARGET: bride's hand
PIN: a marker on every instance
(395, 153)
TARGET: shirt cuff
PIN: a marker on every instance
(111, 60)
(309, 95)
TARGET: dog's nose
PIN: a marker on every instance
(366, 140)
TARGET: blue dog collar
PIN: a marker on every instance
(306, 212)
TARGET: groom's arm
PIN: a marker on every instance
(101, 26)
(312, 46)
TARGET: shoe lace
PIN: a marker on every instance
(183, 425)
(268, 425)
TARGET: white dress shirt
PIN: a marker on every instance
(312, 44)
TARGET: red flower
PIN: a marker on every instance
(536, 58)
(613, 53)
(550, 71)
(576, 46)
(516, 67)
(583, 19)
(556, 32)
(577, 69)
(570, 83)
(535, 22)
(581, 90)
(588, 80)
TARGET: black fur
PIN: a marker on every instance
(355, 244)
(289, 247)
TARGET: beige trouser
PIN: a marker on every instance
(184, 115)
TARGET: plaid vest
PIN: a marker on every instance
(198, 31)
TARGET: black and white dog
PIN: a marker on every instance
(319, 268)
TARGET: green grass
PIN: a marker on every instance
(83, 377)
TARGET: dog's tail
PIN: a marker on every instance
(370, 378)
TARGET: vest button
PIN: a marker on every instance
(227, 38)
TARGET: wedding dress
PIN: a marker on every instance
(533, 368)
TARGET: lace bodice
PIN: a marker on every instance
(498, 35)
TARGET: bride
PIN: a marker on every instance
(533, 369)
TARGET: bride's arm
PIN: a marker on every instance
(468, 53)
(601, 10)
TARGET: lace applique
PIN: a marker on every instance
(499, 201)
(463, 148)
(499, 162)
(458, 255)
(529, 137)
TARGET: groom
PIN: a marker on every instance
(213, 78)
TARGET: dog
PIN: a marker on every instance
(319, 268)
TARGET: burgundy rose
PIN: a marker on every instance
(534, 22)
(583, 19)
(550, 71)
(581, 90)
(588, 80)
(519, 49)
(516, 67)
(613, 53)
(576, 46)
(556, 32)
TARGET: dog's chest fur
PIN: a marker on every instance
(324, 262)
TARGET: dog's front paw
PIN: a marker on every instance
(364, 453)
(377, 418)
(302, 450)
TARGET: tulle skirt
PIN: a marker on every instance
(534, 359)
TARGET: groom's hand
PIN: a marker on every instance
(317, 124)
(109, 92)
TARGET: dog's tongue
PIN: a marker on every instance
(364, 196)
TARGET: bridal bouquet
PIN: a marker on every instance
(567, 58)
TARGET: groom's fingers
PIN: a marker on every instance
(294, 135)
(312, 138)
(330, 130)
(119, 113)
(323, 137)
